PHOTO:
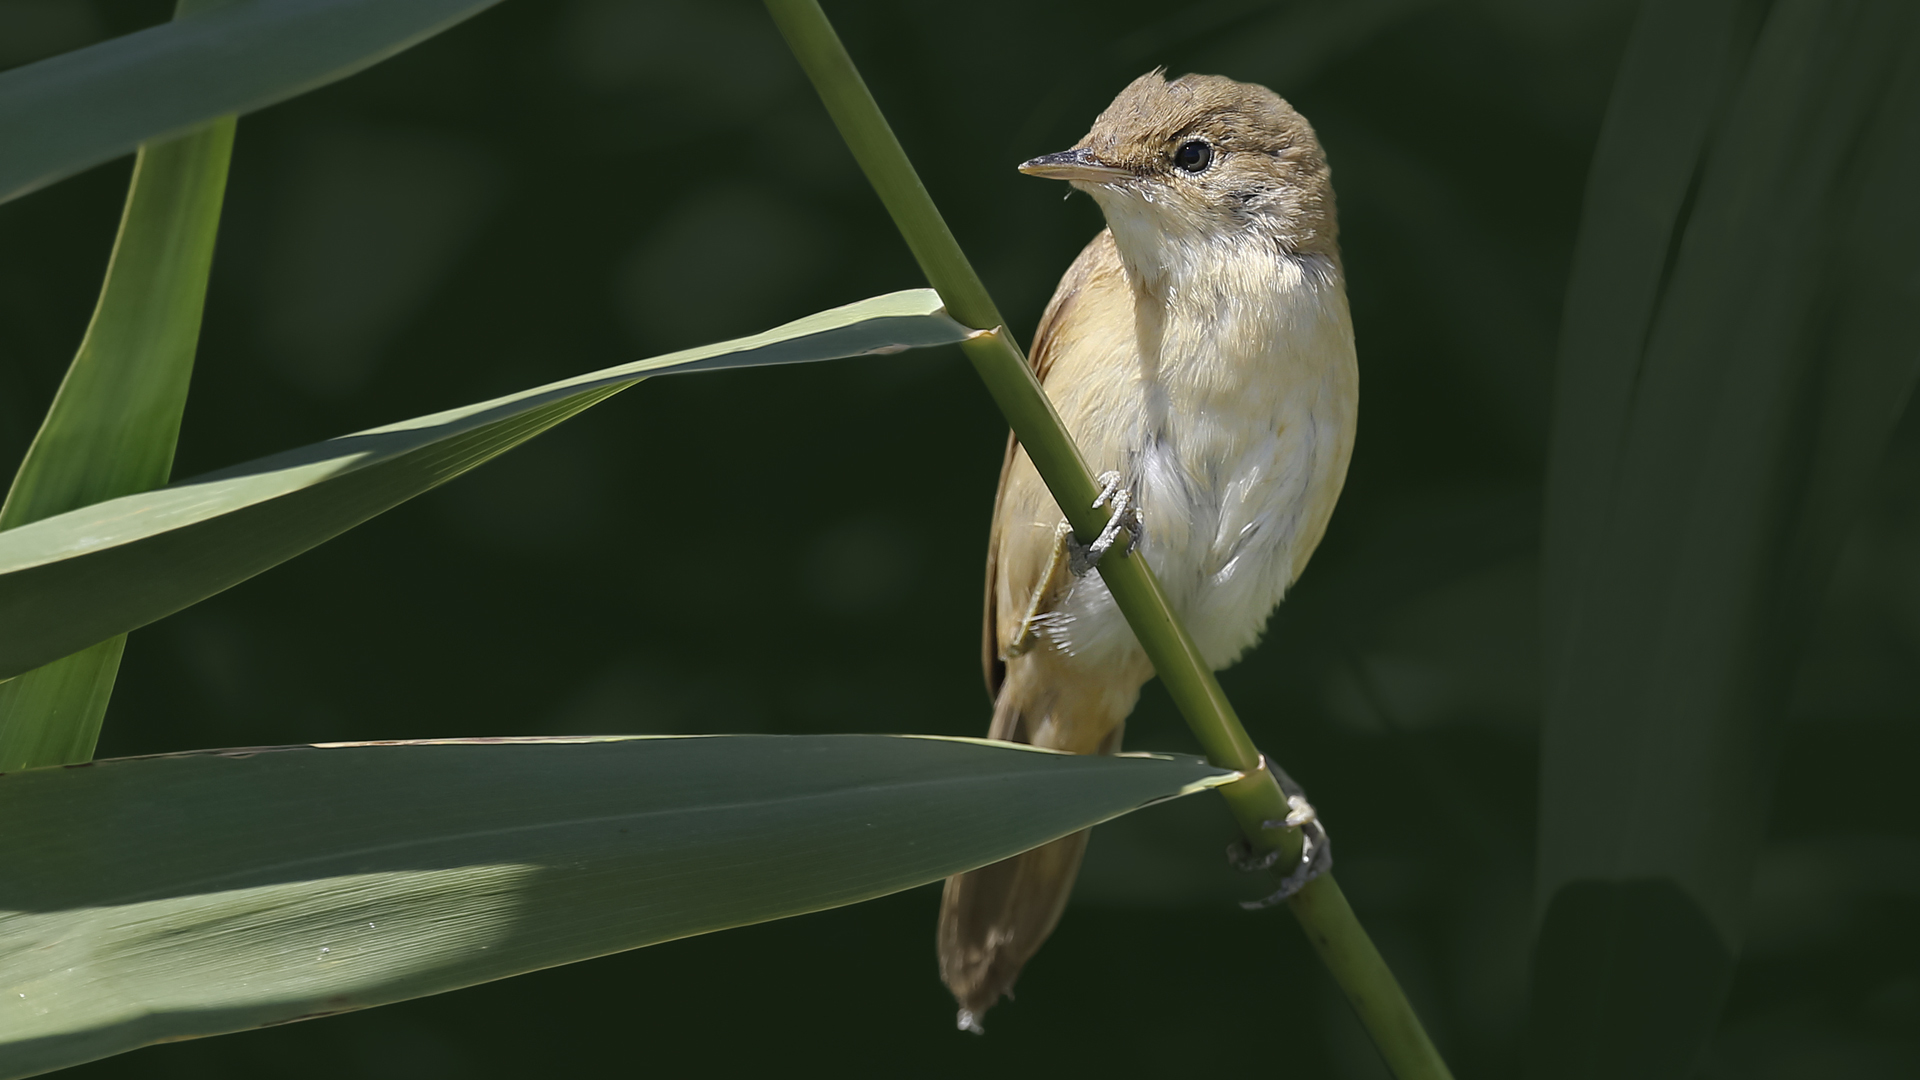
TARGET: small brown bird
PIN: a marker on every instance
(1200, 350)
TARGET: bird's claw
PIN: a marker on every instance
(1126, 515)
(1316, 850)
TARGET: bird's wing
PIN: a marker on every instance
(1096, 269)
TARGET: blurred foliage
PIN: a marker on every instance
(1717, 427)
(554, 187)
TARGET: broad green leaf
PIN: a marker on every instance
(79, 578)
(113, 425)
(76, 110)
(150, 899)
(1717, 426)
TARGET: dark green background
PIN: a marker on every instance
(554, 187)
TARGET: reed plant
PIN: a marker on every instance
(1737, 349)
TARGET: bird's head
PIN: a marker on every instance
(1202, 160)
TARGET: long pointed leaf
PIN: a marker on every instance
(161, 898)
(77, 579)
(76, 110)
(115, 422)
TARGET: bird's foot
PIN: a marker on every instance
(966, 1021)
(1316, 850)
(1126, 515)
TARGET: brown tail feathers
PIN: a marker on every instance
(992, 920)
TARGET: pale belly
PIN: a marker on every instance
(1225, 522)
(1236, 470)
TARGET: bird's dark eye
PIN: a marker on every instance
(1193, 156)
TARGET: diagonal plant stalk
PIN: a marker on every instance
(115, 421)
(1256, 800)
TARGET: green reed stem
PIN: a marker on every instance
(1256, 800)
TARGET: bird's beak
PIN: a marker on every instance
(1077, 164)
